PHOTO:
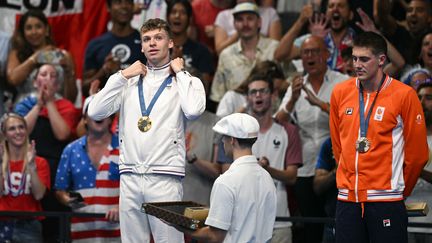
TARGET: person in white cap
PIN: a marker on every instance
(237, 60)
(243, 199)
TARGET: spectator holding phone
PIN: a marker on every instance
(88, 168)
(24, 179)
(32, 46)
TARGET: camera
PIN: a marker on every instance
(52, 57)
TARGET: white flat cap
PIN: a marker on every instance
(238, 125)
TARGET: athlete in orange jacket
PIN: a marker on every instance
(379, 153)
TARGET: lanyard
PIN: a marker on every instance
(364, 123)
(146, 111)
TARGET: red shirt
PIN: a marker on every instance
(205, 13)
(25, 200)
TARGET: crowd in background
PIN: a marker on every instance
(299, 49)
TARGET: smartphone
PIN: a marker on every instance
(76, 195)
(77, 200)
(52, 57)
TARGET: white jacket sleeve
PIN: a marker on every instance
(108, 101)
(192, 95)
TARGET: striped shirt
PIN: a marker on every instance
(98, 186)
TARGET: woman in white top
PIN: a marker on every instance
(225, 34)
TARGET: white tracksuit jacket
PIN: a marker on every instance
(162, 149)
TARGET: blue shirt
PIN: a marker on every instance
(76, 171)
(126, 49)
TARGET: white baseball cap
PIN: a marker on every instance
(246, 7)
(238, 125)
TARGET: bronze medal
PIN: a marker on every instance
(144, 124)
(362, 145)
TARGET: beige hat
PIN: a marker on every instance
(238, 125)
(246, 7)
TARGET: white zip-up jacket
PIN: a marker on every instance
(161, 150)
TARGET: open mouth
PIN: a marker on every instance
(336, 16)
(311, 63)
(176, 23)
(412, 21)
(99, 122)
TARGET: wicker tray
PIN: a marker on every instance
(173, 212)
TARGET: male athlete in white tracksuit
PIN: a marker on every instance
(152, 140)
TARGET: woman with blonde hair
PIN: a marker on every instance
(24, 179)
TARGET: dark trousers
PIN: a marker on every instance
(381, 222)
(310, 205)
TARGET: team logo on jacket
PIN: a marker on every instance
(349, 111)
(379, 113)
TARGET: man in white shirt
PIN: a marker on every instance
(243, 199)
(153, 101)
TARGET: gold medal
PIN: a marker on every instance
(362, 145)
(144, 124)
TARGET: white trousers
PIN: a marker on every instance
(136, 189)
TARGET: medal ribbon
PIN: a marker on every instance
(364, 123)
(146, 111)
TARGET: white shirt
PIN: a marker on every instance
(273, 144)
(230, 103)
(162, 149)
(243, 202)
(312, 121)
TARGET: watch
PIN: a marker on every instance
(192, 159)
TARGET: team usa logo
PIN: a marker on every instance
(349, 111)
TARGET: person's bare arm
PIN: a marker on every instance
(208, 234)
(287, 176)
(222, 40)
(383, 17)
(38, 189)
(323, 180)
(70, 89)
(286, 45)
(275, 31)
(396, 60)
(17, 72)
